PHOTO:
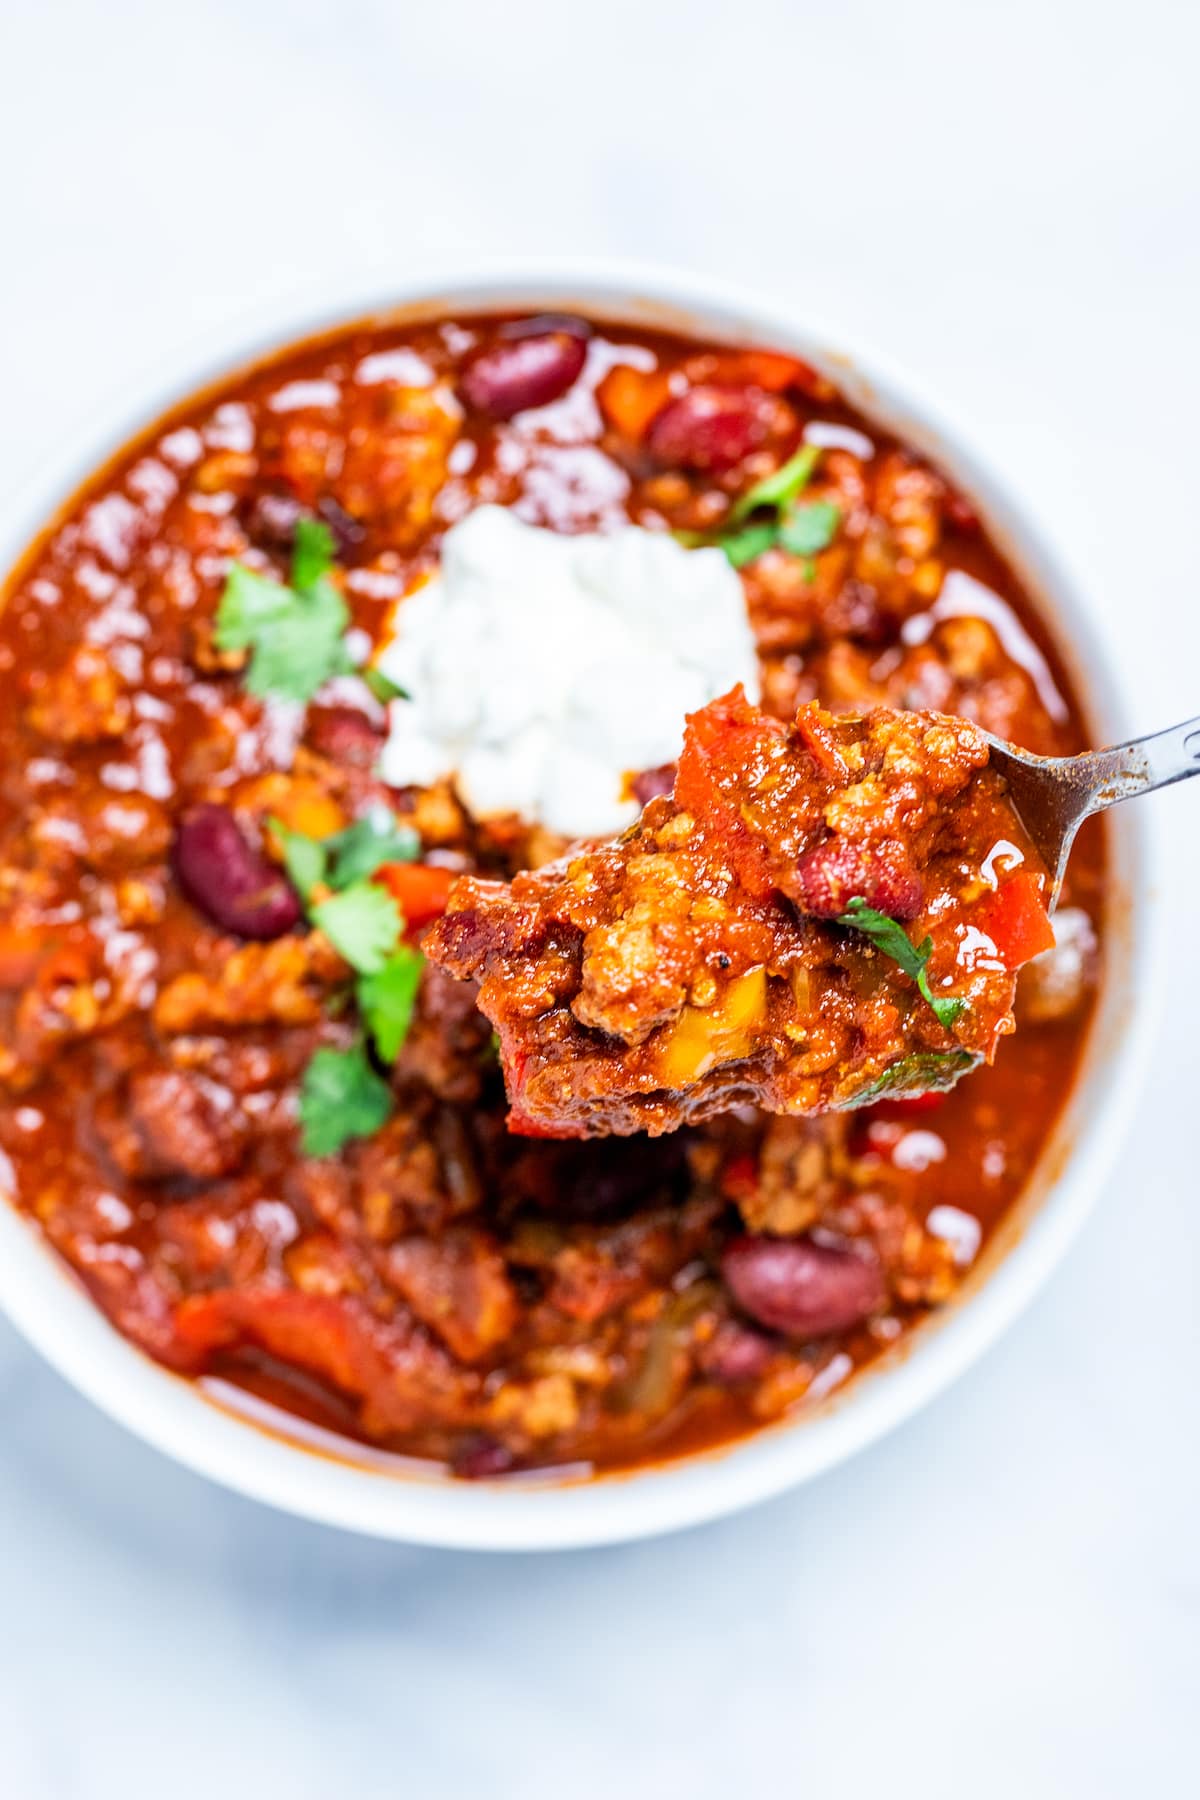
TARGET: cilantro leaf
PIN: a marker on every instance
(296, 635)
(890, 936)
(741, 547)
(341, 1097)
(921, 1072)
(362, 923)
(300, 650)
(779, 489)
(810, 527)
(947, 1007)
(312, 553)
(367, 844)
(802, 530)
(387, 1001)
(250, 605)
(346, 856)
(383, 687)
(304, 858)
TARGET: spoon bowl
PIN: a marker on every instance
(1053, 795)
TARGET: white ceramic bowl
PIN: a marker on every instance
(393, 1499)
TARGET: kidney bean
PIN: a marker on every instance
(272, 520)
(736, 1353)
(800, 1287)
(712, 429)
(530, 364)
(232, 883)
(541, 323)
(652, 784)
(832, 873)
(345, 735)
(481, 1458)
(348, 532)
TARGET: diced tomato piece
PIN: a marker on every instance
(739, 1176)
(323, 1333)
(909, 1105)
(421, 890)
(819, 735)
(719, 746)
(721, 728)
(1016, 920)
(630, 398)
(390, 1364)
(22, 949)
(771, 370)
(521, 1125)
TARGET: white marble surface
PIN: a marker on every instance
(1003, 1598)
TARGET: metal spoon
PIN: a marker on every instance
(1053, 795)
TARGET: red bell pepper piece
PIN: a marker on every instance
(1016, 920)
(420, 890)
(909, 1105)
(722, 740)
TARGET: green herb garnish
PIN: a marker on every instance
(341, 1097)
(312, 553)
(304, 858)
(779, 489)
(296, 632)
(363, 924)
(387, 1000)
(890, 936)
(383, 687)
(347, 856)
(921, 1072)
(810, 527)
(800, 529)
(741, 547)
(367, 844)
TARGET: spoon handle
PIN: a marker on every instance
(1102, 777)
(1172, 755)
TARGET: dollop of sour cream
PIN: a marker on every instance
(542, 669)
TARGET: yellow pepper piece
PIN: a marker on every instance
(298, 801)
(703, 1036)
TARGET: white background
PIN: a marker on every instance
(1002, 1599)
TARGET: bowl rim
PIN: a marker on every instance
(391, 1497)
